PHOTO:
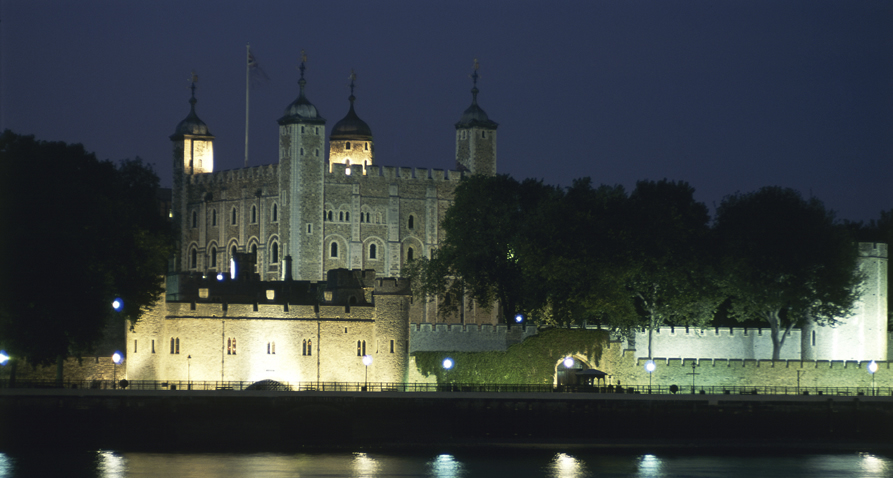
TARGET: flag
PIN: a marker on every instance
(257, 76)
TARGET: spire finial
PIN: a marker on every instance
(353, 79)
(193, 79)
(302, 82)
(474, 81)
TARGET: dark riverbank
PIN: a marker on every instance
(289, 421)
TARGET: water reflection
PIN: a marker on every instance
(365, 466)
(649, 465)
(110, 464)
(874, 465)
(445, 466)
(566, 466)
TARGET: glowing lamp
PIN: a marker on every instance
(117, 358)
(447, 363)
(220, 276)
(519, 318)
(367, 360)
(650, 366)
(3, 357)
(118, 304)
(569, 362)
(872, 367)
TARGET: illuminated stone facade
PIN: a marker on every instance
(287, 331)
(347, 212)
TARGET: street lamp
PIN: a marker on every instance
(4, 358)
(116, 359)
(872, 368)
(649, 367)
(188, 372)
(367, 361)
(519, 318)
(117, 304)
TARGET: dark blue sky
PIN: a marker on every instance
(727, 95)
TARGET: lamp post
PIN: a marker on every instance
(872, 368)
(447, 366)
(649, 367)
(116, 359)
(4, 359)
(188, 372)
(367, 361)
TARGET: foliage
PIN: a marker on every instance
(83, 232)
(786, 260)
(671, 256)
(532, 361)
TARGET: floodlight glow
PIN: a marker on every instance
(3, 357)
(116, 357)
(650, 366)
(569, 362)
(872, 367)
(447, 363)
(367, 360)
(519, 318)
(232, 268)
(117, 304)
(220, 276)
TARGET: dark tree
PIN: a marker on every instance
(671, 258)
(786, 261)
(78, 233)
(482, 252)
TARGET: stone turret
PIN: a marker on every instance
(351, 141)
(476, 137)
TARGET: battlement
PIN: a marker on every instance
(392, 286)
(395, 172)
(873, 249)
(466, 337)
(264, 171)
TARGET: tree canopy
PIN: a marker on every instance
(786, 260)
(79, 233)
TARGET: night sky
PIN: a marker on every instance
(727, 95)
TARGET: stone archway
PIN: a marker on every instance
(567, 376)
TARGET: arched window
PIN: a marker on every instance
(172, 345)
(275, 212)
(367, 146)
(274, 255)
(411, 223)
(194, 219)
(229, 346)
(409, 254)
(253, 214)
(309, 347)
(233, 251)
(334, 250)
(347, 146)
(234, 219)
(347, 216)
(177, 349)
(213, 257)
(372, 251)
(359, 349)
(274, 347)
(362, 217)
(193, 258)
(304, 347)
(254, 250)
(213, 217)
(268, 348)
(330, 215)
(367, 217)
(341, 216)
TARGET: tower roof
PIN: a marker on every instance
(474, 115)
(302, 110)
(191, 125)
(351, 126)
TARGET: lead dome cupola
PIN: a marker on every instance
(474, 115)
(191, 125)
(301, 110)
(351, 127)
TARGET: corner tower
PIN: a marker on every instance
(302, 132)
(476, 136)
(193, 154)
(351, 141)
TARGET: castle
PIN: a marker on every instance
(246, 299)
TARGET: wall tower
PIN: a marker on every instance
(476, 136)
(193, 154)
(302, 133)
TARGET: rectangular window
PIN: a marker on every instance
(134, 345)
(392, 346)
(153, 346)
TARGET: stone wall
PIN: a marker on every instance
(466, 338)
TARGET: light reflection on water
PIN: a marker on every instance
(482, 463)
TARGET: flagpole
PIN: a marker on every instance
(247, 72)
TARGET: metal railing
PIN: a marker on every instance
(451, 387)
